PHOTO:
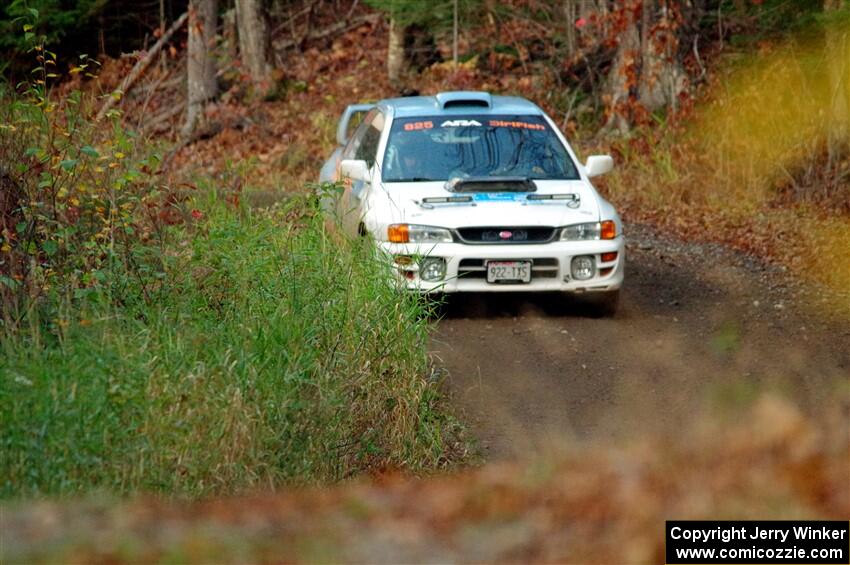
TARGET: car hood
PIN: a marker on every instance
(491, 209)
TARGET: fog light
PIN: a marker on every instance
(583, 267)
(432, 269)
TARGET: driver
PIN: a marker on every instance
(410, 163)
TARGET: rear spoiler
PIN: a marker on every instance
(342, 128)
(491, 184)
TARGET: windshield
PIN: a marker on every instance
(449, 147)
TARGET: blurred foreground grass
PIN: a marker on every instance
(589, 504)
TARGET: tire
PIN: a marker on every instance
(604, 304)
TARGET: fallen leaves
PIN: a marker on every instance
(590, 504)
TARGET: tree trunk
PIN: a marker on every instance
(646, 73)
(662, 77)
(570, 18)
(230, 35)
(201, 69)
(622, 79)
(395, 52)
(254, 44)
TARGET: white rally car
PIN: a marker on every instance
(469, 192)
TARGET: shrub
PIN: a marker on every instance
(79, 212)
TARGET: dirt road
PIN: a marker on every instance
(699, 328)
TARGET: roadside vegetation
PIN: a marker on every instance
(761, 163)
(174, 340)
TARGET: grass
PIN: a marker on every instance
(278, 354)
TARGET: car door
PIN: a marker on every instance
(362, 146)
(347, 125)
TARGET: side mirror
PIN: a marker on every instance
(355, 169)
(598, 165)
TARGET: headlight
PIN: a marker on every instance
(583, 267)
(432, 269)
(593, 230)
(412, 233)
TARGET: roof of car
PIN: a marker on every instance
(459, 102)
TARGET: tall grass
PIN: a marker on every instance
(280, 354)
(153, 342)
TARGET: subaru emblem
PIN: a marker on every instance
(505, 234)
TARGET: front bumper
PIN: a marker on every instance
(466, 272)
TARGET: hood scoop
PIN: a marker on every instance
(491, 184)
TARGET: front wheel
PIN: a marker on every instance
(604, 304)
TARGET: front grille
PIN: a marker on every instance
(543, 268)
(509, 234)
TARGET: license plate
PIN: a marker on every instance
(508, 271)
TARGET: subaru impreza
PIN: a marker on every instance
(470, 192)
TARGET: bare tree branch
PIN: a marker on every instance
(140, 67)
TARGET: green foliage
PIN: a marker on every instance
(78, 215)
(55, 19)
(759, 20)
(434, 16)
(281, 354)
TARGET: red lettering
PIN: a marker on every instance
(414, 126)
(517, 125)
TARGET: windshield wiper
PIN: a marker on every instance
(415, 179)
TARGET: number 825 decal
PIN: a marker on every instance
(413, 126)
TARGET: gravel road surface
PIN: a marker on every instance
(699, 328)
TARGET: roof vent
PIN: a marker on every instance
(448, 100)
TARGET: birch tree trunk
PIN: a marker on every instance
(395, 51)
(254, 41)
(201, 68)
